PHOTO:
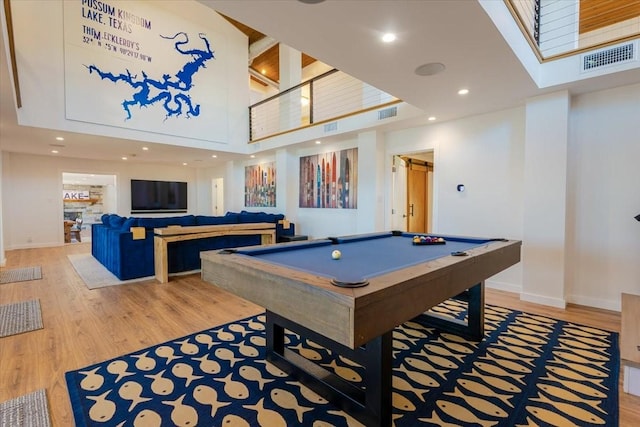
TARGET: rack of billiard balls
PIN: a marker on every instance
(427, 240)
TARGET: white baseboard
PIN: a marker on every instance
(614, 305)
(541, 299)
(503, 286)
(631, 382)
(34, 245)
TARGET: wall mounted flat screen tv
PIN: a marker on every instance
(158, 196)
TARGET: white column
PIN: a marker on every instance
(234, 187)
(371, 191)
(287, 183)
(545, 194)
(290, 75)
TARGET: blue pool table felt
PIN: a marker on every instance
(363, 257)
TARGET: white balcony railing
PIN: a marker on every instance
(557, 28)
(330, 96)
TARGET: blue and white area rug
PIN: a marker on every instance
(529, 370)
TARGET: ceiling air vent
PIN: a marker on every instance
(387, 112)
(331, 127)
(613, 55)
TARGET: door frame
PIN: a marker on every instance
(399, 207)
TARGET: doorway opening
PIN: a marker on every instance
(412, 187)
(217, 196)
(86, 197)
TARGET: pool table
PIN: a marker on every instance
(352, 304)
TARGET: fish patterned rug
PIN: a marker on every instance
(530, 370)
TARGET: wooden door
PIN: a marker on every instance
(416, 197)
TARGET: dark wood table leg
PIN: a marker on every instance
(371, 405)
(473, 328)
(475, 313)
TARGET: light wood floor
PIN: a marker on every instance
(83, 326)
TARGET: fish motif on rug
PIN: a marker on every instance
(530, 370)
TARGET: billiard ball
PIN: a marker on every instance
(336, 254)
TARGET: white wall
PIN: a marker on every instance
(40, 46)
(486, 154)
(545, 195)
(321, 223)
(32, 188)
(603, 243)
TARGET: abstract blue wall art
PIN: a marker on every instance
(162, 67)
(172, 90)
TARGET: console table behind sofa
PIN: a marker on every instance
(164, 236)
(127, 256)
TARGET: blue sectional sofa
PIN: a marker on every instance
(113, 245)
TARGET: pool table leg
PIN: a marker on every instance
(475, 312)
(371, 406)
(473, 328)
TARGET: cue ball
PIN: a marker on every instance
(336, 254)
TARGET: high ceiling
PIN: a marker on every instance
(346, 35)
(459, 34)
(267, 63)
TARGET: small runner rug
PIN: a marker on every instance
(529, 370)
(96, 275)
(30, 410)
(20, 317)
(20, 274)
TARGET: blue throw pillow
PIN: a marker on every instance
(216, 220)
(163, 222)
(184, 221)
(249, 217)
(116, 221)
(128, 223)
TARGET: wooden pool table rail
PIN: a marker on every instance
(355, 316)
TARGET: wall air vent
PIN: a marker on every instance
(331, 127)
(387, 112)
(609, 56)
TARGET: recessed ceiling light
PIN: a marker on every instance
(252, 156)
(430, 69)
(59, 138)
(214, 156)
(388, 37)
(463, 91)
(145, 148)
(432, 118)
(55, 151)
(184, 163)
(124, 158)
(263, 71)
(318, 142)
